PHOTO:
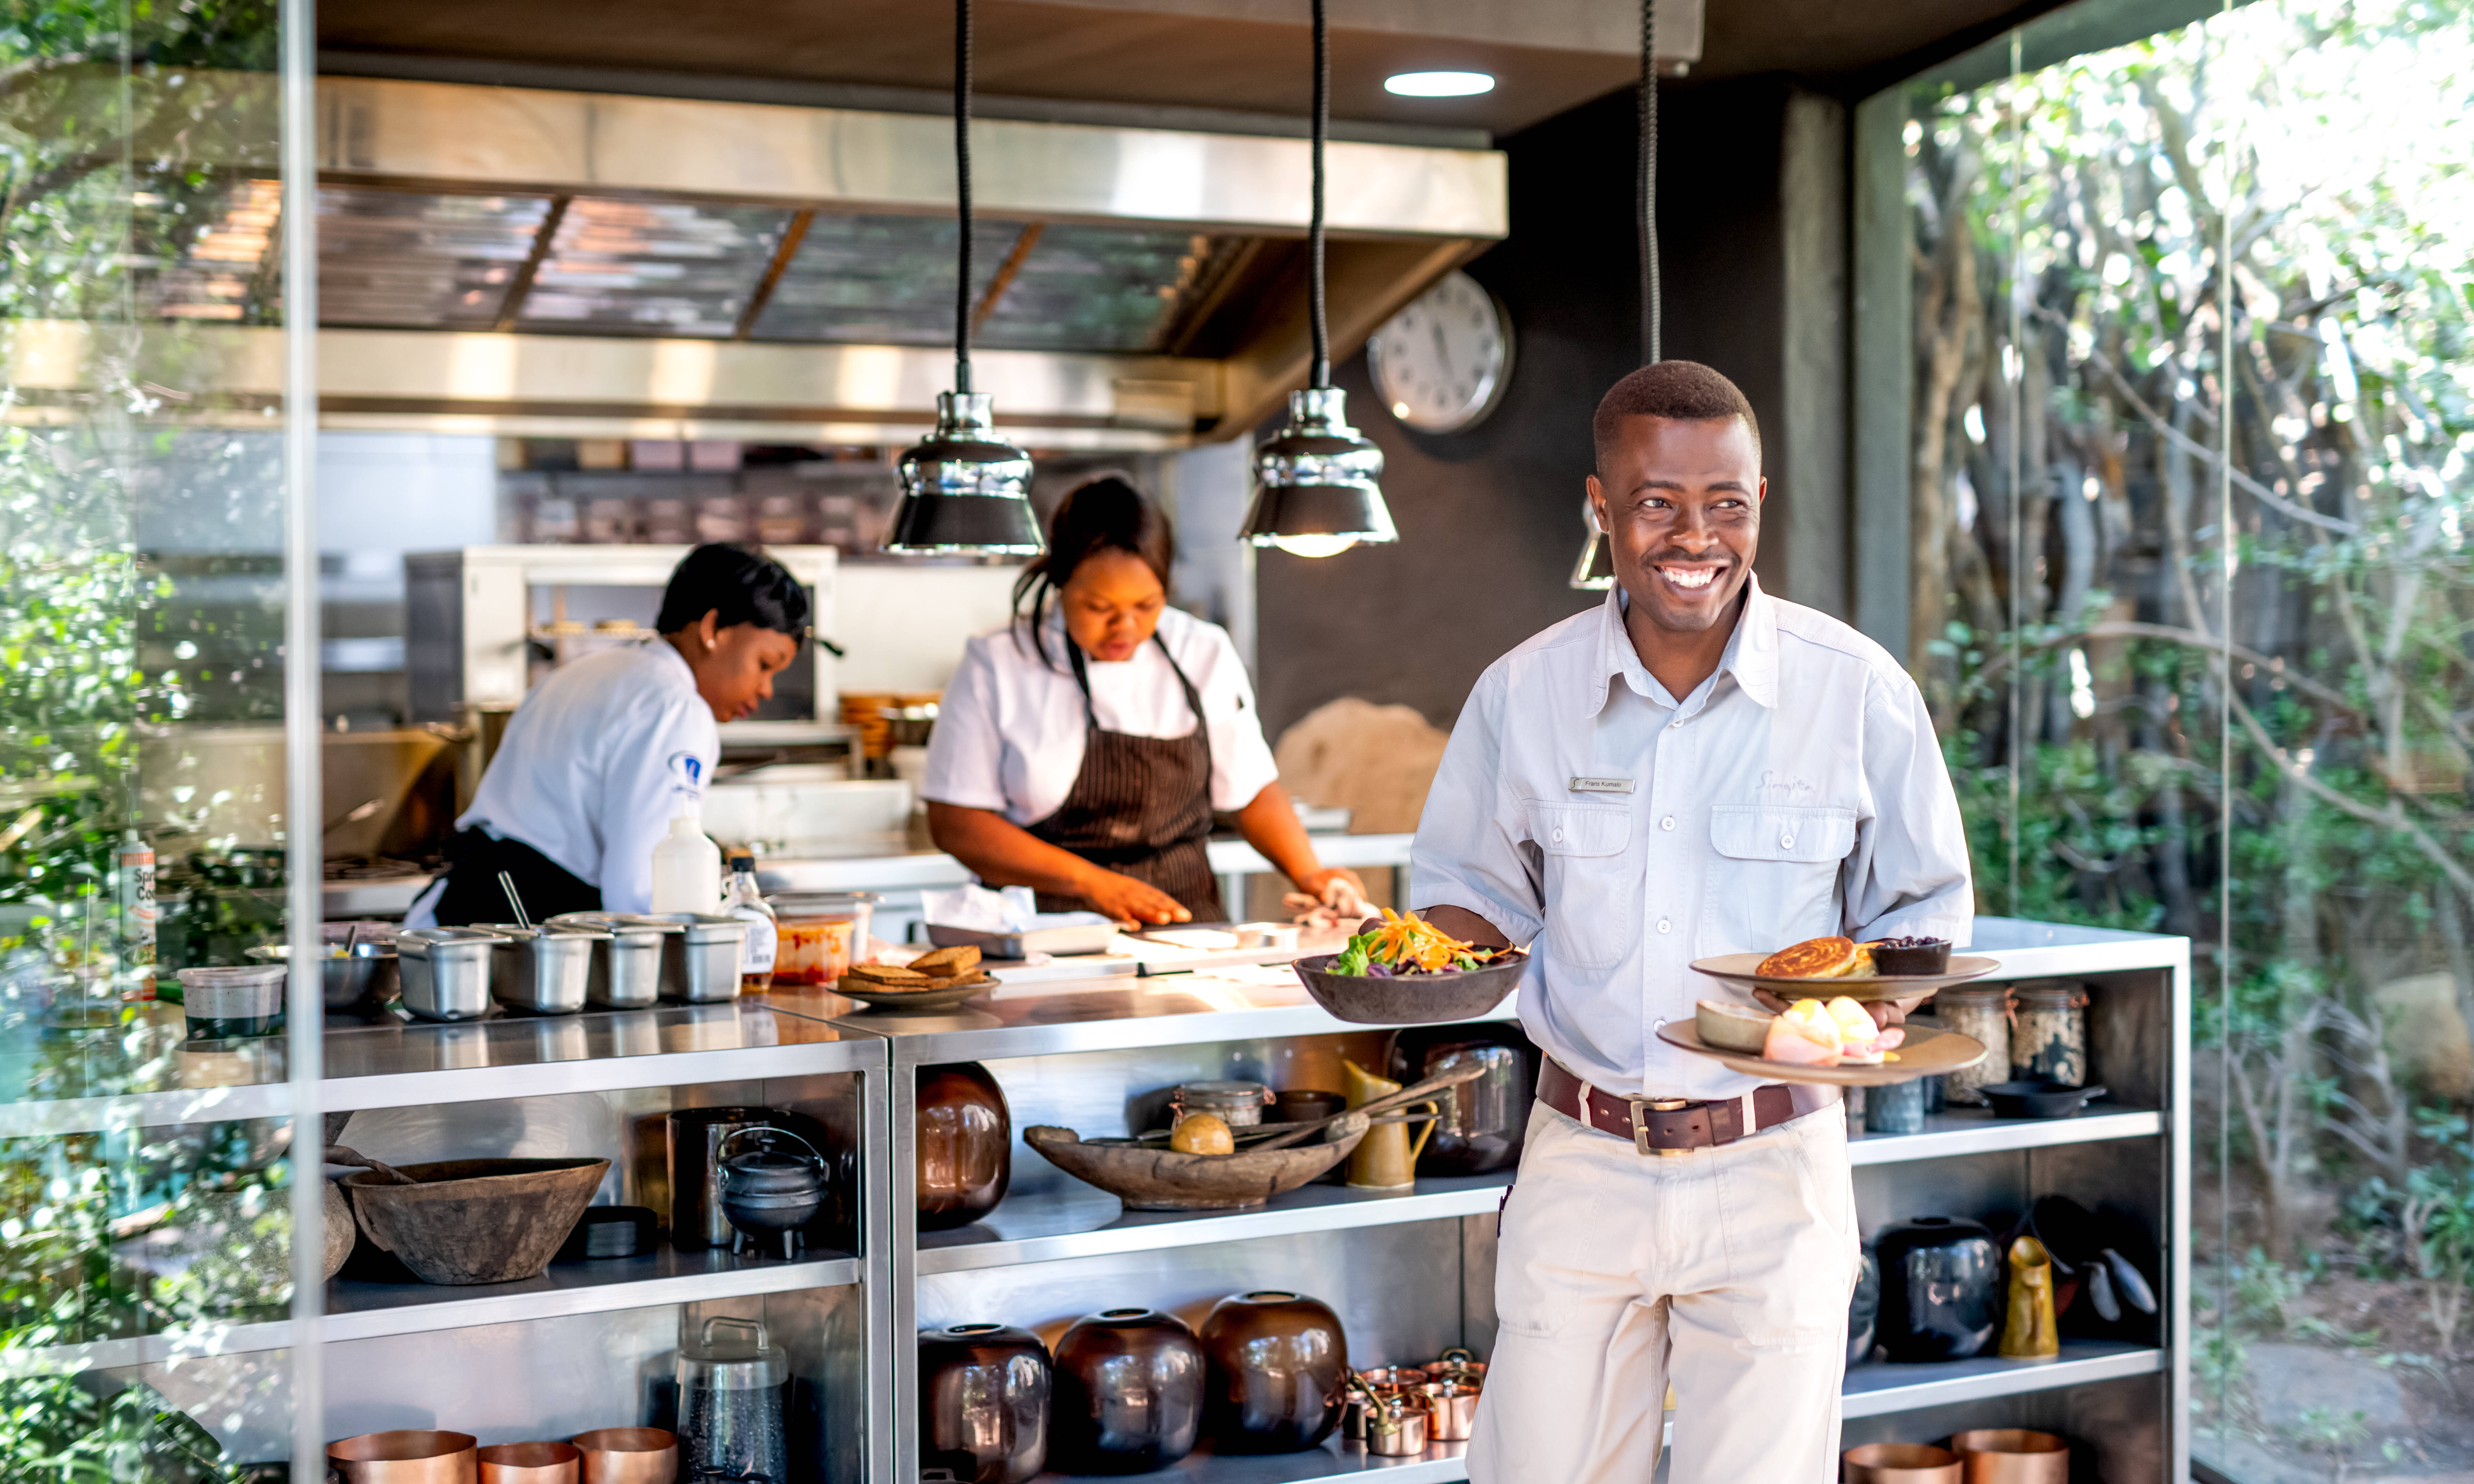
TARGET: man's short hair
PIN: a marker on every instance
(1685, 391)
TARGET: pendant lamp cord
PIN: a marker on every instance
(962, 299)
(1646, 202)
(1314, 229)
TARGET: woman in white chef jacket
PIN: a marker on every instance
(606, 751)
(1083, 750)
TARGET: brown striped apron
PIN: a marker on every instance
(1141, 806)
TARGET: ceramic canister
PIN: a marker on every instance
(1942, 1284)
(1277, 1365)
(965, 1145)
(983, 1401)
(1128, 1394)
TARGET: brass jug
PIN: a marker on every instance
(2031, 1333)
(1385, 1159)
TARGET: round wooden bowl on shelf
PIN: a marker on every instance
(476, 1221)
(1410, 999)
(1154, 1178)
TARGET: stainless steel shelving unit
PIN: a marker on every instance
(1088, 1049)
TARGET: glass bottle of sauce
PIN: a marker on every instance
(743, 899)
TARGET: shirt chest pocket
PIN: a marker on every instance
(1773, 875)
(1594, 882)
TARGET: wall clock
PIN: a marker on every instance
(1441, 364)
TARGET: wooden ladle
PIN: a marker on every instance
(1382, 1104)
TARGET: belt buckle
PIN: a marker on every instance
(1640, 1108)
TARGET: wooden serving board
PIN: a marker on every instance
(1928, 1053)
(1737, 969)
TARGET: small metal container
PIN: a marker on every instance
(700, 964)
(1451, 1410)
(369, 974)
(1239, 1104)
(446, 971)
(627, 968)
(1397, 1426)
(544, 970)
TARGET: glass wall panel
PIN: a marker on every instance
(145, 1247)
(2192, 606)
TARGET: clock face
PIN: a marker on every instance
(1442, 362)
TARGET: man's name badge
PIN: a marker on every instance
(1602, 786)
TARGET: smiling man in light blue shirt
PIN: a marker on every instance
(1694, 768)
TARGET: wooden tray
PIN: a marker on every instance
(1928, 1053)
(1737, 969)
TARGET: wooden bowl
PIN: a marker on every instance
(1152, 1177)
(1410, 999)
(477, 1220)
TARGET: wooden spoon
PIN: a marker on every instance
(1383, 1105)
(337, 1154)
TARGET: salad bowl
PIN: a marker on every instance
(1410, 999)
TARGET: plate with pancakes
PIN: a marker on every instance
(1890, 969)
(935, 981)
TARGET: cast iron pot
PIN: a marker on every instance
(1942, 1284)
(1276, 1372)
(767, 1193)
(1128, 1394)
(965, 1145)
(984, 1392)
(1483, 1122)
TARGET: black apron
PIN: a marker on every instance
(473, 894)
(1141, 806)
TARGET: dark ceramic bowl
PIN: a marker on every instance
(1412, 999)
(2037, 1100)
(1931, 958)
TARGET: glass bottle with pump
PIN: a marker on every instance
(744, 898)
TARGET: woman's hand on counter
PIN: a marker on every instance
(1129, 900)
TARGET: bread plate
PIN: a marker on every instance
(886, 997)
(1927, 1053)
(1737, 969)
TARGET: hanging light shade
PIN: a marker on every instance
(1595, 570)
(965, 489)
(1317, 483)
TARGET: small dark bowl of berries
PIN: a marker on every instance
(1893, 957)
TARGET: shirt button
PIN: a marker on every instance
(1559, 836)
(1667, 824)
(1663, 924)
(1672, 726)
(1786, 841)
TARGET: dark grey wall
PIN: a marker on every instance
(1490, 520)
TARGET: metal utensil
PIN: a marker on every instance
(1384, 1105)
(515, 903)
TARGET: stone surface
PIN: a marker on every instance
(2288, 1380)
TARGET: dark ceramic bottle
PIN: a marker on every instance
(1129, 1396)
(1941, 1288)
(1483, 1121)
(984, 1394)
(965, 1141)
(1278, 1365)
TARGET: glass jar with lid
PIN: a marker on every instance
(732, 1382)
(2048, 1040)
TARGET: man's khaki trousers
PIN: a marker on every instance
(1726, 1271)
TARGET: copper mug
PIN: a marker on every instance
(1396, 1426)
(1451, 1410)
(628, 1455)
(2012, 1455)
(404, 1456)
(528, 1463)
(1899, 1463)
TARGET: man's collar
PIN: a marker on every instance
(1751, 655)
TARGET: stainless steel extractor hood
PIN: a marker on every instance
(530, 261)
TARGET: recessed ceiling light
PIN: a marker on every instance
(1438, 84)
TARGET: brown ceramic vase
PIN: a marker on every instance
(1278, 1365)
(984, 1393)
(965, 1142)
(1128, 1394)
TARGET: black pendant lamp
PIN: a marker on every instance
(1317, 483)
(965, 489)
(1594, 571)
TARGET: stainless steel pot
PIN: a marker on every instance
(627, 968)
(446, 971)
(369, 973)
(700, 964)
(543, 970)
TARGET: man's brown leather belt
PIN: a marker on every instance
(1670, 1125)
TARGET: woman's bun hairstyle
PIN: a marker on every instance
(1103, 513)
(739, 583)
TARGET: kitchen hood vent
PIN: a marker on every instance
(1147, 280)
